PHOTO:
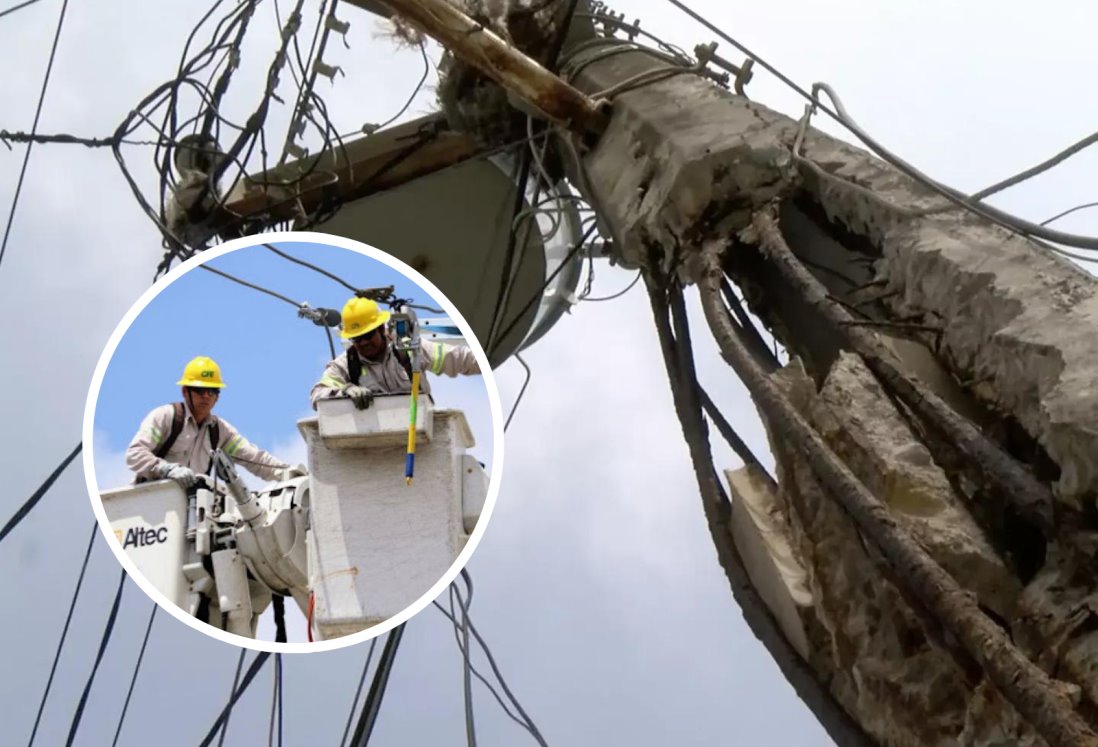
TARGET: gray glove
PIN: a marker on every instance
(360, 395)
(183, 476)
(289, 473)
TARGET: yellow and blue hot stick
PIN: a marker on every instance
(407, 332)
(410, 460)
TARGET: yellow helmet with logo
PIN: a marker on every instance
(202, 372)
(361, 315)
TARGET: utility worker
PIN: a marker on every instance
(174, 440)
(372, 366)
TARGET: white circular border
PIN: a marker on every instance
(497, 442)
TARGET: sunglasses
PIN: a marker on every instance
(367, 336)
(199, 391)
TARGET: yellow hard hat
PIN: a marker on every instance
(202, 372)
(361, 315)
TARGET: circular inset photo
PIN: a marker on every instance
(296, 442)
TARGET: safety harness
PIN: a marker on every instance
(178, 416)
(354, 363)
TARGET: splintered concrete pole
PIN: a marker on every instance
(377, 544)
(485, 50)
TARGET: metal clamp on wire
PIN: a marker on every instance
(319, 316)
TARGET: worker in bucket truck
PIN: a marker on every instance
(372, 365)
(174, 440)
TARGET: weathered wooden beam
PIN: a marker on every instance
(476, 45)
(368, 165)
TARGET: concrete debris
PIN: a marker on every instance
(887, 664)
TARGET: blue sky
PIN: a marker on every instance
(269, 357)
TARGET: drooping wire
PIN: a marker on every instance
(253, 286)
(520, 716)
(36, 496)
(467, 679)
(311, 266)
(103, 642)
(276, 704)
(34, 126)
(236, 679)
(257, 664)
(1068, 212)
(133, 679)
(64, 633)
(358, 693)
(535, 297)
(522, 391)
(14, 8)
(370, 709)
(619, 294)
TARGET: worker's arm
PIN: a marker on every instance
(249, 456)
(154, 429)
(451, 360)
(332, 382)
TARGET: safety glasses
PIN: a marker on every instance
(366, 337)
(204, 391)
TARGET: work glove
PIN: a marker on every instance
(360, 395)
(289, 473)
(183, 476)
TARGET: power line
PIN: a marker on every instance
(257, 664)
(103, 641)
(524, 721)
(31, 502)
(133, 680)
(1068, 212)
(467, 683)
(311, 266)
(232, 689)
(34, 126)
(522, 391)
(358, 693)
(64, 633)
(276, 704)
(14, 8)
(372, 706)
(253, 286)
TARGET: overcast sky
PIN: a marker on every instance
(596, 584)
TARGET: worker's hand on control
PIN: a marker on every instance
(360, 395)
(289, 473)
(183, 476)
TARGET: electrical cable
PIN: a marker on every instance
(133, 679)
(257, 664)
(619, 294)
(276, 703)
(103, 641)
(372, 706)
(64, 633)
(253, 286)
(34, 127)
(522, 391)
(476, 673)
(534, 298)
(14, 8)
(358, 693)
(467, 679)
(36, 496)
(232, 689)
(1069, 211)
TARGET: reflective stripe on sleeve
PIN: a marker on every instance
(332, 382)
(436, 365)
(234, 444)
(156, 434)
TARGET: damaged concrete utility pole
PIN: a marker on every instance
(999, 493)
